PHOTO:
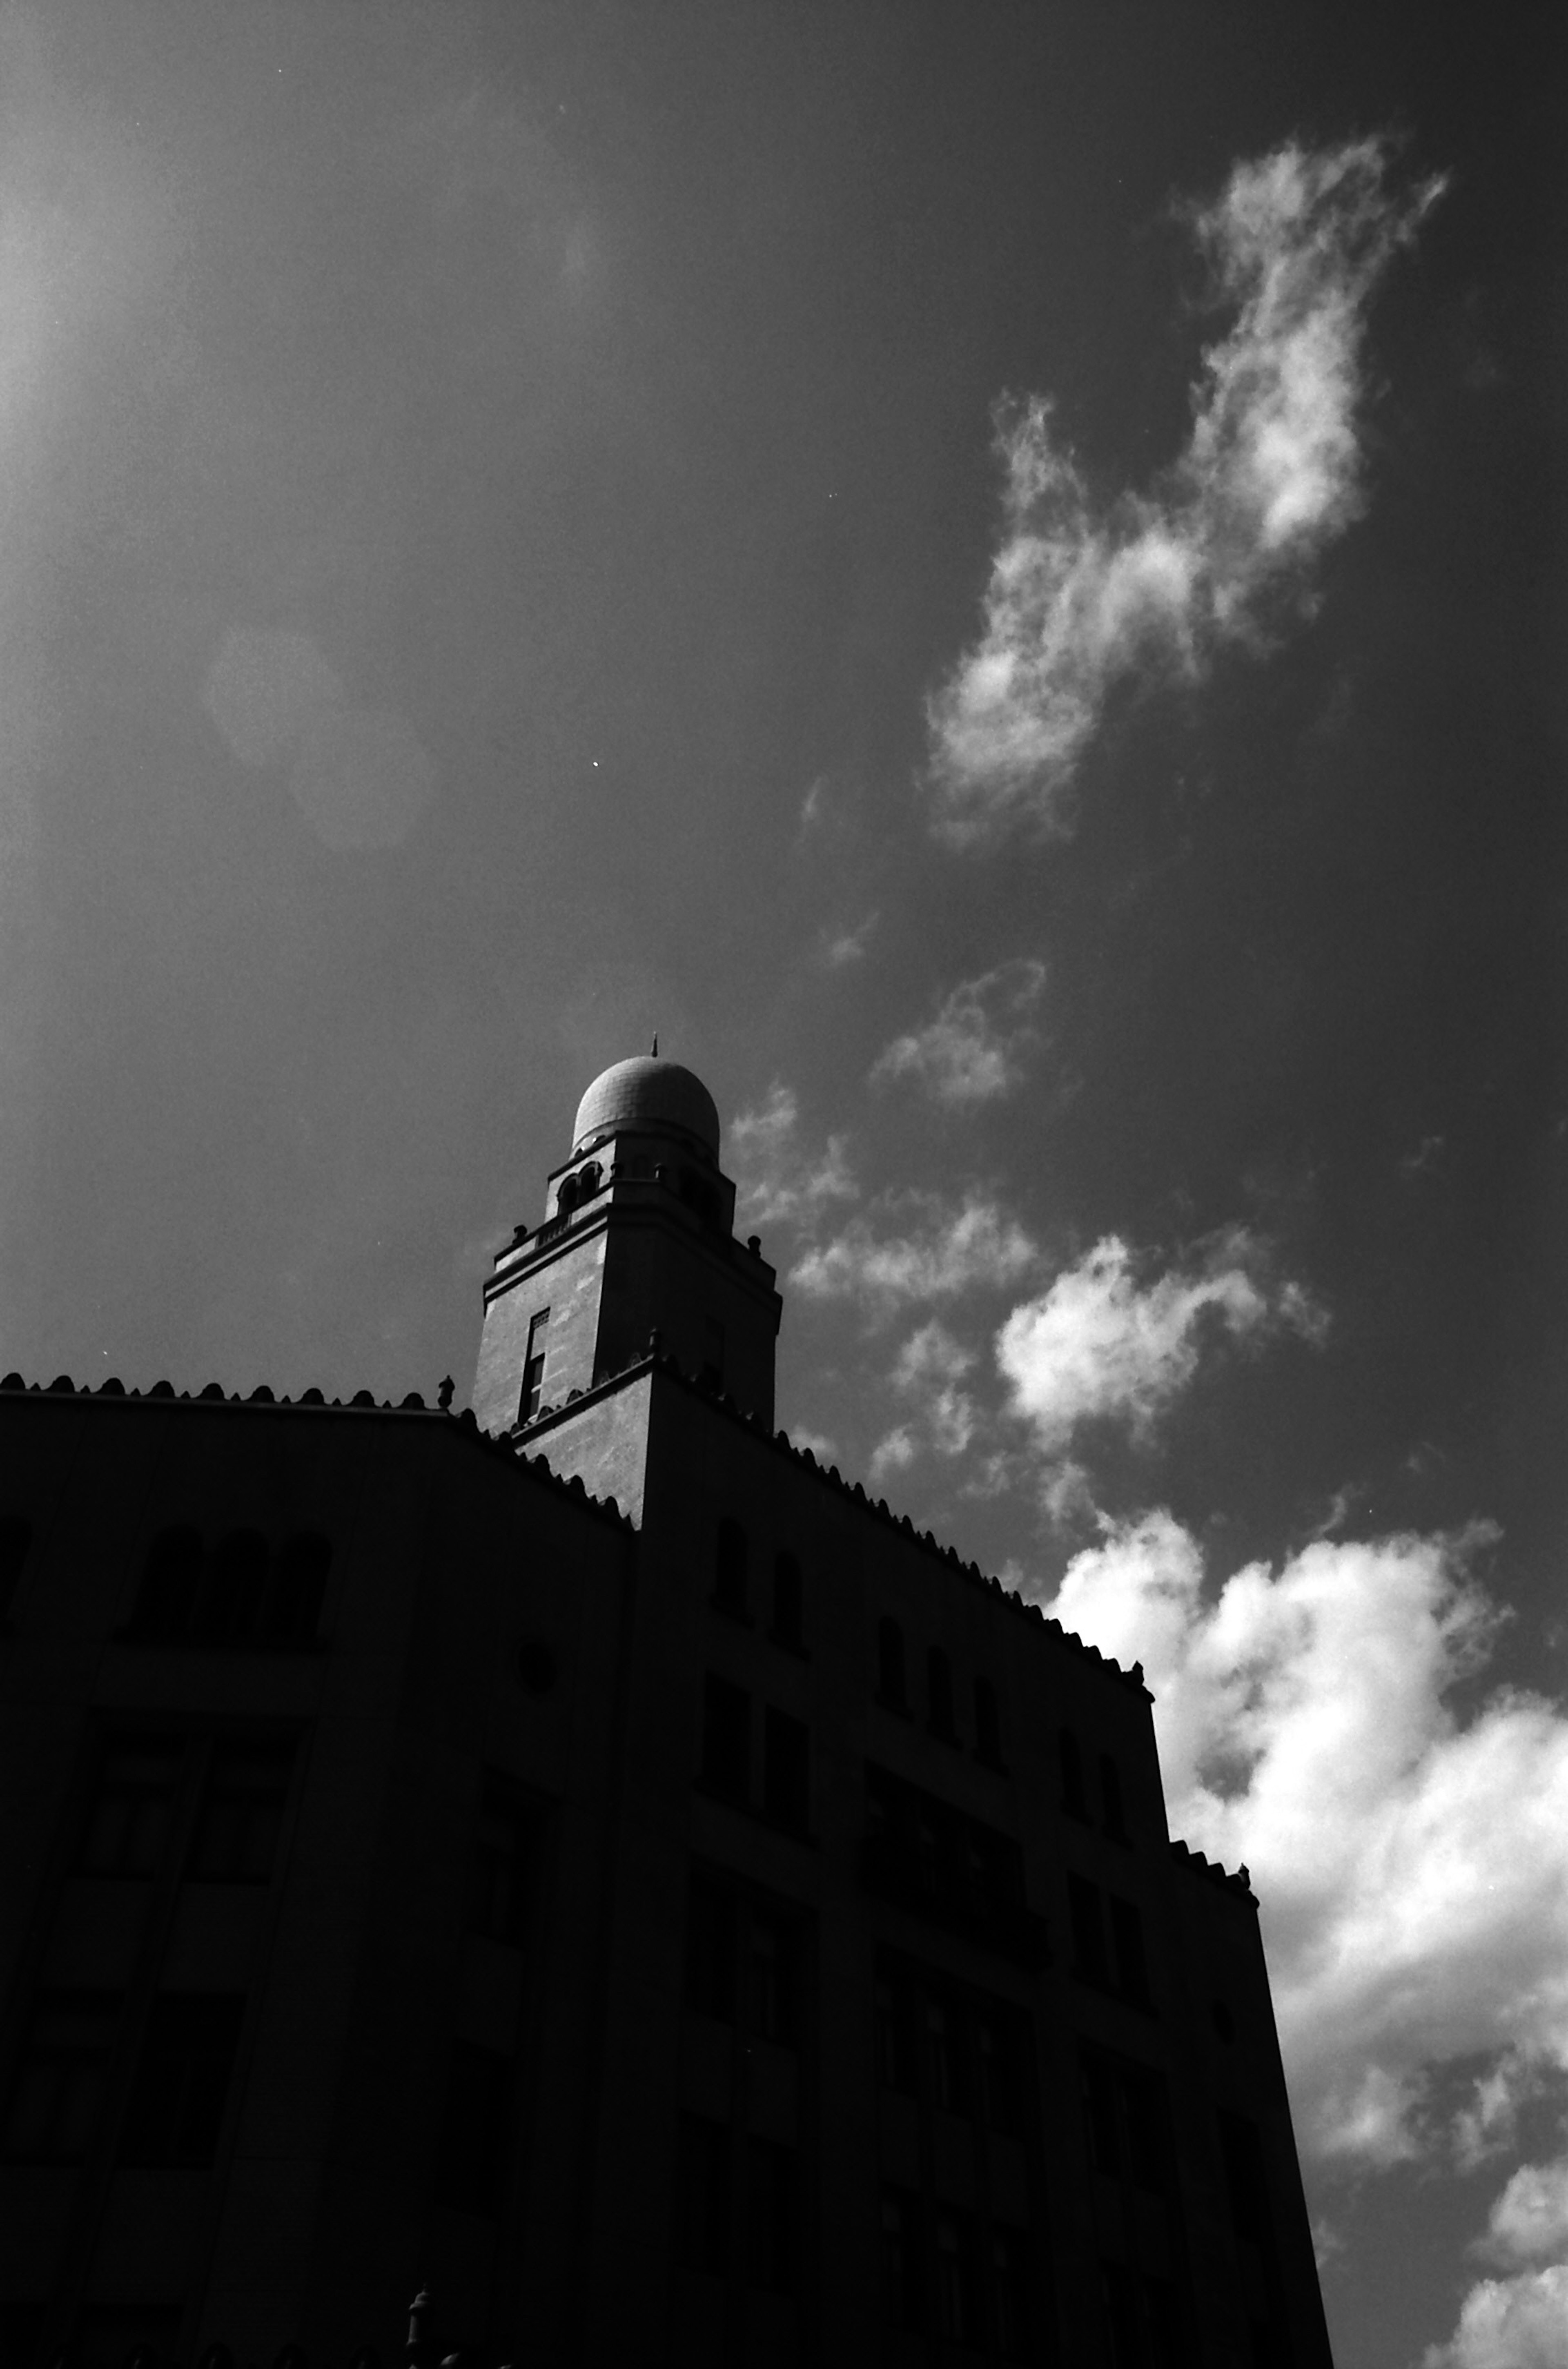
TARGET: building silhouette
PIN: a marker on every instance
(582, 1854)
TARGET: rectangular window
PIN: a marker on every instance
(471, 2156)
(1111, 1799)
(534, 1366)
(702, 2196)
(955, 2278)
(787, 1771)
(900, 2259)
(1127, 1940)
(1010, 2293)
(53, 2110)
(773, 2218)
(502, 1874)
(726, 1741)
(241, 1815)
(998, 2055)
(1128, 2122)
(132, 1816)
(182, 2081)
(772, 1977)
(896, 2060)
(944, 2037)
(1074, 1800)
(1089, 1955)
(710, 1950)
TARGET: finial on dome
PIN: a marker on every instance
(654, 1054)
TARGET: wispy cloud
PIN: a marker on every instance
(778, 1180)
(928, 1374)
(1099, 1344)
(942, 1250)
(1082, 595)
(975, 1049)
(837, 947)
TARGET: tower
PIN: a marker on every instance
(637, 1239)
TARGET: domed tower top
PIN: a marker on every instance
(648, 1094)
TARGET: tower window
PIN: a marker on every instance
(789, 1601)
(730, 1567)
(938, 1694)
(890, 1664)
(534, 1366)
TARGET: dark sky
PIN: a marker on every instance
(993, 573)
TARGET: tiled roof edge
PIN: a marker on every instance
(657, 1361)
(1240, 1883)
(311, 1402)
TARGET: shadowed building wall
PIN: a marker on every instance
(711, 1927)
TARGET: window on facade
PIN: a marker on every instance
(890, 1664)
(730, 1567)
(710, 1948)
(16, 1537)
(895, 2058)
(773, 1977)
(955, 2278)
(900, 2259)
(938, 1694)
(1074, 1800)
(241, 1815)
(534, 1366)
(182, 2080)
(787, 1774)
(944, 2054)
(299, 1586)
(1127, 2121)
(234, 1587)
(53, 2109)
(999, 2077)
(1111, 1799)
(471, 2152)
(503, 1870)
(773, 2218)
(726, 1741)
(1089, 1958)
(702, 2196)
(166, 1600)
(132, 1812)
(1245, 2179)
(988, 1723)
(1126, 1943)
(1010, 2293)
(789, 1601)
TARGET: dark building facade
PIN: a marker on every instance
(582, 1854)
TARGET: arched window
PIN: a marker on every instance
(235, 1586)
(730, 1567)
(988, 1722)
(890, 1663)
(589, 1180)
(298, 1586)
(566, 1197)
(166, 1601)
(16, 1537)
(789, 1601)
(939, 1693)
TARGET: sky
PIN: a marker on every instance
(993, 574)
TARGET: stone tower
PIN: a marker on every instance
(636, 1240)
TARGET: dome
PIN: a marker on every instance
(648, 1092)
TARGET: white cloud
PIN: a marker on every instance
(1098, 1345)
(1530, 2221)
(837, 947)
(946, 1250)
(1307, 1728)
(778, 1181)
(1081, 595)
(1517, 2323)
(928, 1372)
(974, 1050)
